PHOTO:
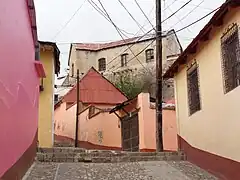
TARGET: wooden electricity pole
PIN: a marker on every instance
(159, 138)
(77, 109)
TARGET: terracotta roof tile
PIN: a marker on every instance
(95, 89)
(100, 46)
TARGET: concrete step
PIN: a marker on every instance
(80, 155)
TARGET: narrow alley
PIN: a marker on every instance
(148, 170)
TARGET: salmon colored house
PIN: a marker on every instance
(137, 119)
(97, 97)
(207, 94)
(20, 71)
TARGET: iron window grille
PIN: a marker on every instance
(102, 64)
(230, 49)
(124, 60)
(149, 55)
(193, 89)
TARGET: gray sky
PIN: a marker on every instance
(89, 26)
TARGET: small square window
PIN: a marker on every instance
(149, 55)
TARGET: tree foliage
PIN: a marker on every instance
(133, 84)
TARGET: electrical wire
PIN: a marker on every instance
(177, 11)
(184, 17)
(132, 44)
(139, 25)
(169, 5)
(144, 14)
(99, 10)
(121, 34)
(139, 38)
(179, 20)
(71, 18)
(179, 30)
(135, 56)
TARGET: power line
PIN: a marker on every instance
(179, 20)
(144, 14)
(169, 5)
(71, 18)
(99, 10)
(187, 14)
(179, 30)
(176, 11)
(196, 5)
(130, 46)
(113, 59)
(135, 56)
(130, 15)
(198, 20)
(119, 32)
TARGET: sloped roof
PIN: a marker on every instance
(96, 89)
(100, 46)
(216, 20)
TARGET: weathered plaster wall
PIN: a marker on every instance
(215, 128)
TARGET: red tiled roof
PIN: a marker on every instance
(100, 46)
(216, 20)
(95, 89)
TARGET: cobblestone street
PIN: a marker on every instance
(160, 170)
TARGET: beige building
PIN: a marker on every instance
(117, 56)
(129, 55)
(207, 94)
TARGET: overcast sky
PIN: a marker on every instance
(90, 26)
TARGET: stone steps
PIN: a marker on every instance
(99, 156)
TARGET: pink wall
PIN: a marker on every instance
(147, 126)
(90, 129)
(19, 84)
(101, 130)
(65, 121)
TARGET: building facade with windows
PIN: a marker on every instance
(207, 94)
(122, 56)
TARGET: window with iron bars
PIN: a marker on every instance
(124, 60)
(149, 55)
(193, 89)
(102, 64)
(230, 49)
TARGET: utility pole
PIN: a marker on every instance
(159, 138)
(77, 110)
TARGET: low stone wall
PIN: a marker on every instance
(98, 156)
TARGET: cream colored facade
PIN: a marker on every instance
(85, 59)
(215, 128)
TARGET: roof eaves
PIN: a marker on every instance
(207, 28)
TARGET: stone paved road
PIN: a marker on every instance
(118, 171)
